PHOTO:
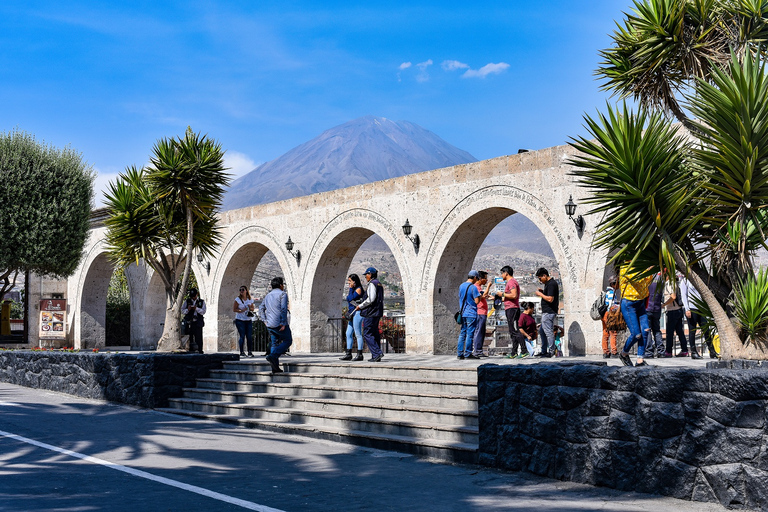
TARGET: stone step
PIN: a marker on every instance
(439, 449)
(410, 397)
(365, 382)
(419, 430)
(371, 409)
(360, 368)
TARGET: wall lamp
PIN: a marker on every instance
(206, 265)
(289, 246)
(570, 210)
(407, 228)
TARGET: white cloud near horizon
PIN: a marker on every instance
(423, 75)
(488, 69)
(405, 65)
(453, 65)
(239, 164)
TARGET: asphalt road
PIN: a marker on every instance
(63, 453)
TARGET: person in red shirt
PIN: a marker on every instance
(511, 297)
(527, 328)
(482, 313)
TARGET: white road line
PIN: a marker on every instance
(143, 474)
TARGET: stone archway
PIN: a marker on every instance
(330, 259)
(460, 236)
(90, 332)
(236, 266)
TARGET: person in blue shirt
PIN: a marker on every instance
(355, 326)
(274, 312)
(469, 296)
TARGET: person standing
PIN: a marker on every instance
(243, 309)
(483, 287)
(611, 304)
(274, 312)
(688, 293)
(193, 310)
(550, 305)
(527, 327)
(469, 296)
(355, 324)
(655, 346)
(511, 297)
(673, 305)
(634, 293)
(372, 309)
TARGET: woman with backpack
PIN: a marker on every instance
(611, 304)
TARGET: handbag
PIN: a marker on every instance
(615, 320)
(457, 316)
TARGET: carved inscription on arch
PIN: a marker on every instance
(351, 219)
(513, 197)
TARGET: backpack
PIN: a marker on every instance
(598, 308)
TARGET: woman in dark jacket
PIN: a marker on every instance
(355, 326)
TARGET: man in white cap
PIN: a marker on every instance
(372, 309)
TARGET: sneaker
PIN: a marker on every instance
(376, 359)
(242, 354)
(695, 355)
(510, 356)
(642, 363)
(471, 356)
(250, 354)
(683, 354)
(606, 356)
(459, 357)
(523, 355)
(274, 364)
(625, 359)
(544, 354)
(480, 356)
(668, 354)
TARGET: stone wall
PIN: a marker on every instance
(145, 380)
(696, 434)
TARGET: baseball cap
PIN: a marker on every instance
(473, 273)
(371, 270)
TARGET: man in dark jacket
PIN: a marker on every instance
(372, 309)
(193, 311)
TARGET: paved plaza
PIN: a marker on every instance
(63, 453)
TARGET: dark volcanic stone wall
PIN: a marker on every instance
(145, 380)
(689, 433)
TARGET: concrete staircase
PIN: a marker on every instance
(429, 411)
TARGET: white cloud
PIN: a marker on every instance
(423, 76)
(100, 185)
(486, 70)
(239, 163)
(453, 65)
(405, 65)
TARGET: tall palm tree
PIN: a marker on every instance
(164, 212)
(700, 206)
(664, 46)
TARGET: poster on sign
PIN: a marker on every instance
(53, 318)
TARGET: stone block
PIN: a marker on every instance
(574, 428)
(571, 398)
(546, 375)
(662, 385)
(492, 372)
(740, 385)
(598, 404)
(583, 376)
(617, 378)
(625, 401)
(665, 420)
(727, 482)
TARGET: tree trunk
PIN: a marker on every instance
(729, 336)
(171, 338)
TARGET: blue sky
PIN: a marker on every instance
(110, 78)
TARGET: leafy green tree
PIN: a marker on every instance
(692, 201)
(165, 212)
(45, 208)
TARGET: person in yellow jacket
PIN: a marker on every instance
(634, 295)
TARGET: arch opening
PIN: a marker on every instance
(488, 240)
(252, 265)
(93, 308)
(352, 252)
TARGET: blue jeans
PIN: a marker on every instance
(479, 336)
(281, 340)
(466, 336)
(636, 318)
(245, 330)
(355, 327)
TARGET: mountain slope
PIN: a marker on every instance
(360, 151)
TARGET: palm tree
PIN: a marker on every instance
(694, 205)
(665, 46)
(164, 212)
